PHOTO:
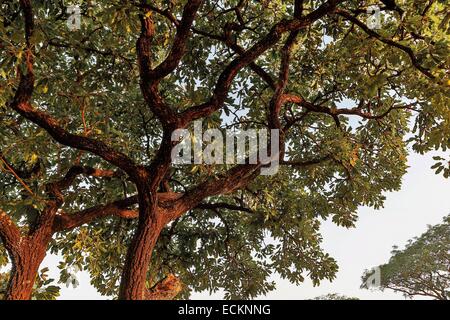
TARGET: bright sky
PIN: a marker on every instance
(423, 200)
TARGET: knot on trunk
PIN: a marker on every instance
(166, 289)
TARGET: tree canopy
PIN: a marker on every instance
(334, 296)
(422, 268)
(87, 116)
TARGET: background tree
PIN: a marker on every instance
(334, 296)
(87, 116)
(422, 268)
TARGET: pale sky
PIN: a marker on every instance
(423, 200)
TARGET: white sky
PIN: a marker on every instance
(423, 200)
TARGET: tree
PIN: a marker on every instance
(88, 115)
(422, 267)
(334, 296)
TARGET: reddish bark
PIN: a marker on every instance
(166, 289)
(25, 266)
(132, 286)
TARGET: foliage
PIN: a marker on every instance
(422, 267)
(334, 296)
(43, 290)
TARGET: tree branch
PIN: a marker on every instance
(62, 136)
(166, 289)
(179, 44)
(222, 205)
(22, 174)
(224, 82)
(150, 77)
(232, 180)
(21, 104)
(389, 42)
(118, 208)
(357, 111)
(306, 163)
(75, 171)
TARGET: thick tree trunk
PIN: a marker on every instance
(134, 274)
(25, 266)
(27, 253)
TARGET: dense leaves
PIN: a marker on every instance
(422, 267)
(334, 296)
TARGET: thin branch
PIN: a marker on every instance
(389, 42)
(21, 104)
(222, 205)
(16, 175)
(305, 163)
(224, 82)
(75, 171)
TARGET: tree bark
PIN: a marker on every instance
(25, 266)
(26, 252)
(134, 274)
(166, 289)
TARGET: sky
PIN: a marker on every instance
(423, 200)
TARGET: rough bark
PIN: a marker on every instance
(166, 289)
(132, 286)
(25, 266)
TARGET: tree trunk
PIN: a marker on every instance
(134, 274)
(25, 266)
(166, 289)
